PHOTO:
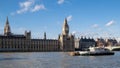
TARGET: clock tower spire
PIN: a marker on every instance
(65, 30)
(7, 30)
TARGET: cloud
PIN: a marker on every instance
(38, 7)
(69, 18)
(28, 6)
(25, 6)
(60, 1)
(95, 26)
(112, 22)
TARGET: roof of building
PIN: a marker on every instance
(87, 40)
(12, 36)
(111, 40)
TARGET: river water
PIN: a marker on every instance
(57, 60)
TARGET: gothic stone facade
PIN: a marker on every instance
(24, 43)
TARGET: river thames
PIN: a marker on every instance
(57, 60)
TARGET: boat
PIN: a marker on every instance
(93, 51)
(96, 51)
(100, 51)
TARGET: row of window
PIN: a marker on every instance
(45, 42)
(23, 42)
(21, 47)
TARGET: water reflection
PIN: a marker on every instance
(57, 60)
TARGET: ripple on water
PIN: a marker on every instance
(57, 60)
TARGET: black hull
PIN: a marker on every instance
(97, 54)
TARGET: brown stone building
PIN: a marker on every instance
(84, 43)
(12, 42)
(111, 42)
(100, 42)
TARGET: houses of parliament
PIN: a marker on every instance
(10, 42)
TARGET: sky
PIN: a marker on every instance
(90, 18)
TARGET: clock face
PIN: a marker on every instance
(67, 29)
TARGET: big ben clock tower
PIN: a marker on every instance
(66, 40)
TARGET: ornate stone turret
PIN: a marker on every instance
(7, 30)
(28, 34)
(65, 30)
(45, 35)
